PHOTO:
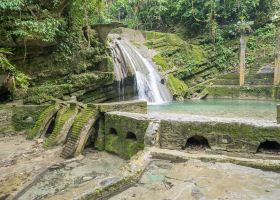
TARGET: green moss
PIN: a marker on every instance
(176, 86)
(42, 120)
(118, 186)
(262, 92)
(161, 62)
(119, 144)
(62, 116)
(80, 122)
(20, 115)
(173, 51)
(67, 86)
(231, 136)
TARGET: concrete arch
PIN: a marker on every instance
(113, 131)
(131, 136)
(271, 146)
(197, 140)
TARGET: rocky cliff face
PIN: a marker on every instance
(51, 46)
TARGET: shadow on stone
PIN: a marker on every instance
(131, 136)
(197, 142)
(269, 147)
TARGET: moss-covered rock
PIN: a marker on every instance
(43, 120)
(25, 117)
(231, 136)
(63, 123)
(80, 131)
(119, 128)
(177, 87)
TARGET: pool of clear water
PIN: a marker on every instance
(229, 108)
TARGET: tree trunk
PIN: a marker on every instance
(242, 60)
(277, 59)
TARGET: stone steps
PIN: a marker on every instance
(81, 125)
(43, 120)
(63, 124)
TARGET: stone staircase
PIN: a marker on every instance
(43, 121)
(260, 76)
(80, 131)
(227, 79)
(258, 85)
(64, 121)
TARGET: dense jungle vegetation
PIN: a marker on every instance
(42, 41)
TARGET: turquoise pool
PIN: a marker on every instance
(229, 108)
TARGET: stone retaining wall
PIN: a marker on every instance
(229, 136)
(5, 121)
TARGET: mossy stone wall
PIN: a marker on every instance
(245, 92)
(5, 122)
(24, 117)
(232, 136)
(118, 143)
(18, 118)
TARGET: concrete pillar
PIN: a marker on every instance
(278, 113)
(242, 60)
(276, 80)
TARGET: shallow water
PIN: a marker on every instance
(229, 108)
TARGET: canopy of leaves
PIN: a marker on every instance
(194, 15)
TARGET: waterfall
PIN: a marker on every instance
(128, 61)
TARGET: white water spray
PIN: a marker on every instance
(128, 61)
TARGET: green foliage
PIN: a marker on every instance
(11, 4)
(22, 80)
(41, 122)
(194, 15)
(46, 29)
(176, 86)
(5, 64)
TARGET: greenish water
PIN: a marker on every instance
(251, 109)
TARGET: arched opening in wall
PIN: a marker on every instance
(113, 131)
(90, 145)
(131, 136)
(197, 142)
(269, 147)
(50, 127)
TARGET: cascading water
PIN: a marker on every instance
(129, 62)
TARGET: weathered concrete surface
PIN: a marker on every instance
(22, 160)
(43, 122)
(222, 133)
(245, 92)
(75, 178)
(6, 126)
(225, 134)
(103, 30)
(194, 179)
(80, 132)
(137, 106)
(278, 113)
(123, 124)
(261, 161)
